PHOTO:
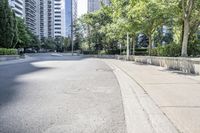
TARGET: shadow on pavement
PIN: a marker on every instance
(10, 87)
(178, 72)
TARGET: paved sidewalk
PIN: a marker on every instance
(175, 94)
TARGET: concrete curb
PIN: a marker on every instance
(9, 57)
(141, 113)
(9, 62)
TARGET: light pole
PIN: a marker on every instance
(127, 48)
(72, 40)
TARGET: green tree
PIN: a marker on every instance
(191, 20)
(24, 38)
(7, 25)
(59, 43)
(48, 44)
(34, 41)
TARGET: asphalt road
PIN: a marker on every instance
(60, 94)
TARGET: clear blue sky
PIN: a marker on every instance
(82, 7)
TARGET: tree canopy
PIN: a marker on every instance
(160, 21)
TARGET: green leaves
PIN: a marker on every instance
(7, 25)
(24, 37)
(139, 17)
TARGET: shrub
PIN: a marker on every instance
(194, 48)
(5, 51)
(90, 52)
(141, 51)
(171, 50)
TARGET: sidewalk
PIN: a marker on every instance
(175, 94)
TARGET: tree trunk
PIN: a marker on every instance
(187, 11)
(150, 44)
(185, 37)
(134, 44)
(182, 32)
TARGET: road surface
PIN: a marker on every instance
(60, 94)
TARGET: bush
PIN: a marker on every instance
(194, 48)
(141, 51)
(90, 52)
(172, 50)
(5, 51)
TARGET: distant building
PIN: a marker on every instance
(18, 7)
(94, 5)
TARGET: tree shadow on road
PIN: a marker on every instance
(10, 87)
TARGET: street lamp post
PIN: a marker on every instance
(127, 49)
(72, 41)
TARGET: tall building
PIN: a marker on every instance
(18, 7)
(30, 15)
(94, 5)
(59, 18)
(71, 8)
(46, 18)
(75, 9)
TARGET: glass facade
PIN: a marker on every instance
(68, 16)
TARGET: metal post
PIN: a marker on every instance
(127, 49)
(72, 39)
(120, 46)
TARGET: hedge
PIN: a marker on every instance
(141, 51)
(171, 50)
(174, 50)
(5, 51)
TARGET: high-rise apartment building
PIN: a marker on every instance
(30, 15)
(94, 5)
(18, 7)
(59, 18)
(71, 9)
(46, 18)
(74, 9)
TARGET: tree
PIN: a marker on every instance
(187, 7)
(48, 43)
(191, 11)
(92, 24)
(24, 38)
(34, 41)
(59, 43)
(67, 44)
(7, 25)
(151, 16)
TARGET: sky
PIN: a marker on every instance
(82, 7)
